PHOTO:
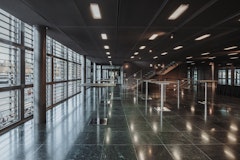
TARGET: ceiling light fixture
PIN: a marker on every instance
(106, 47)
(150, 51)
(233, 54)
(229, 48)
(178, 47)
(212, 57)
(229, 64)
(96, 14)
(142, 47)
(164, 53)
(190, 57)
(136, 53)
(154, 36)
(132, 57)
(104, 36)
(109, 57)
(107, 53)
(206, 53)
(203, 37)
(151, 65)
(234, 58)
(178, 12)
(155, 57)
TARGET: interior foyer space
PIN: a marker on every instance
(119, 80)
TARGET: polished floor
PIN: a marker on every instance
(134, 130)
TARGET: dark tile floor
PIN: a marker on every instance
(134, 130)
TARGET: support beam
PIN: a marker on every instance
(39, 74)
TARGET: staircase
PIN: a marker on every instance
(168, 68)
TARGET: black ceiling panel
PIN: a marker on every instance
(129, 24)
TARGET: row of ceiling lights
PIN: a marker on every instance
(96, 14)
(179, 11)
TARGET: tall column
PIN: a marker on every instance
(39, 82)
(94, 72)
(83, 73)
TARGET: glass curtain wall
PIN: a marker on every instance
(63, 69)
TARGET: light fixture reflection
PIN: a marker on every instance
(229, 153)
(234, 127)
(205, 137)
(155, 128)
(189, 126)
(232, 137)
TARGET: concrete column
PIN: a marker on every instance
(83, 74)
(94, 72)
(39, 82)
(22, 75)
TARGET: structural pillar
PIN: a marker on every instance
(94, 72)
(39, 83)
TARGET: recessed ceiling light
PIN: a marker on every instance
(150, 51)
(229, 64)
(178, 47)
(239, 20)
(159, 65)
(212, 57)
(229, 48)
(136, 53)
(142, 47)
(203, 37)
(139, 58)
(164, 53)
(151, 65)
(233, 54)
(96, 14)
(107, 53)
(189, 61)
(109, 57)
(179, 11)
(155, 57)
(234, 58)
(132, 57)
(190, 57)
(154, 36)
(206, 53)
(104, 36)
(106, 47)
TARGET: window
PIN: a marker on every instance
(222, 76)
(237, 77)
(229, 77)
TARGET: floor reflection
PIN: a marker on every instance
(135, 130)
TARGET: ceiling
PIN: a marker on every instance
(129, 24)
